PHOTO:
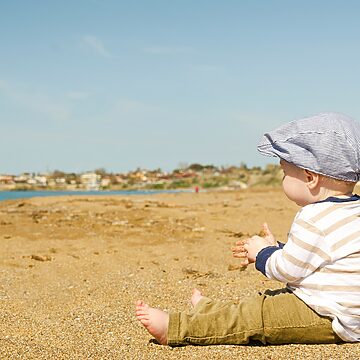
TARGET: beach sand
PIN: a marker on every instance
(71, 269)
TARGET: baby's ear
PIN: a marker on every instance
(312, 179)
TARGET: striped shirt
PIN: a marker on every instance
(320, 263)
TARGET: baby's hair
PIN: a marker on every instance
(346, 185)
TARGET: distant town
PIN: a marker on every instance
(192, 176)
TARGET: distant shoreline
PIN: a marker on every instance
(27, 194)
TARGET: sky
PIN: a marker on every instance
(122, 84)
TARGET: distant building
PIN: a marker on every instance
(105, 182)
(7, 179)
(41, 180)
(22, 179)
(60, 181)
(90, 181)
(120, 179)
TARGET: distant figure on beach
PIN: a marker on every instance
(319, 264)
(196, 189)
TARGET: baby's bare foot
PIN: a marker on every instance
(155, 321)
(196, 297)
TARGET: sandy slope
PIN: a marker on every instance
(71, 269)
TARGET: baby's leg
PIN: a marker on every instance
(214, 322)
(210, 322)
(287, 319)
(276, 317)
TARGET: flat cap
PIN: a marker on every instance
(327, 143)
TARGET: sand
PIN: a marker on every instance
(71, 269)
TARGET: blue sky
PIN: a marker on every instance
(124, 84)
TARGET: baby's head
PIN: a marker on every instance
(320, 156)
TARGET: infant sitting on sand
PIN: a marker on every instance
(320, 263)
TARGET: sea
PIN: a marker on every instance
(9, 195)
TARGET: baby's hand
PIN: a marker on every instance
(240, 252)
(268, 236)
(247, 249)
(254, 245)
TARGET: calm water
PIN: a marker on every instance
(8, 195)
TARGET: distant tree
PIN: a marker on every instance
(243, 166)
(100, 171)
(256, 168)
(113, 179)
(196, 167)
(271, 169)
(210, 167)
(57, 174)
(72, 177)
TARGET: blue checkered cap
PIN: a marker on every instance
(327, 143)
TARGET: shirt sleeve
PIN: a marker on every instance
(304, 252)
(263, 256)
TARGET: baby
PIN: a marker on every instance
(320, 262)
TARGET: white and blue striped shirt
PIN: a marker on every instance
(320, 263)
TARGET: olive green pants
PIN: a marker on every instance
(275, 317)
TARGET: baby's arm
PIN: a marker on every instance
(305, 251)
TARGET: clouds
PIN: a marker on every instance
(167, 50)
(27, 102)
(130, 106)
(97, 45)
(34, 101)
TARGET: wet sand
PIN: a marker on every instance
(72, 267)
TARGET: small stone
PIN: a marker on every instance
(198, 229)
(232, 267)
(120, 223)
(190, 271)
(41, 257)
